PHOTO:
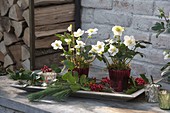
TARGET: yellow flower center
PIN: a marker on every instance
(91, 30)
(118, 29)
(130, 41)
(99, 46)
(57, 44)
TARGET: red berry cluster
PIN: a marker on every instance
(46, 69)
(96, 87)
(140, 81)
(106, 80)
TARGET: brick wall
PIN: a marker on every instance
(137, 16)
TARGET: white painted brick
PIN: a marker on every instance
(103, 30)
(151, 55)
(112, 18)
(143, 23)
(125, 6)
(139, 35)
(145, 68)
(137, 68)
(103, 4)
(163, 41)
(87, 15)
(144, 7)
(162, 4)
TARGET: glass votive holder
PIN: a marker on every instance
(151, 92)
(164, 99)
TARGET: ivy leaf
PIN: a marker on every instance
(69, 64)
(55, 68)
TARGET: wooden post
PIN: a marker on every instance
(77, 14)
(32, 34)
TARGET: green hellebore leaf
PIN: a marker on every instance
(75, 87)
(55, 68)
(76, 76)
(66, 75)
(83, 79)
(143, 76)
(69, 64)
(71, 79)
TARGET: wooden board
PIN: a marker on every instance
(54, 14)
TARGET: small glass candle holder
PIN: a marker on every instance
(164, 99)
(151, 92)
(49, 77)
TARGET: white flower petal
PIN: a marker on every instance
(118, 30)
(78, 33)
(70, 28)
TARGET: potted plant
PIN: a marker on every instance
(76, 50)
(117, 55)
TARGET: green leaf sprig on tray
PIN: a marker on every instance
(137, 83)
(25, 77)
(69, 83)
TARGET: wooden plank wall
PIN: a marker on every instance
(51, 16)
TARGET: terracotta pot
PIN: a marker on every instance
(119, 79)
(82, 71)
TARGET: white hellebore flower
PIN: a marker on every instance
(78, 33)
(57, 45)
(110, 41)
(166, 52)
(118, 30)
(79, 44)
(93, 49)
(100, 47)
(67, 41)
(92, 31)
(167, 56)
(70, 28)
(129, 41)
(113, 50)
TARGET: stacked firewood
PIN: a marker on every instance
(51, 17)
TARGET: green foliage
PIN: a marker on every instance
(134, 87)
(56, 68)
(61, 89)
(20, 74)
(143, 76)
(70, 65)
(80, 56)
(161, 27)
(25, 77)
(122, 59)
